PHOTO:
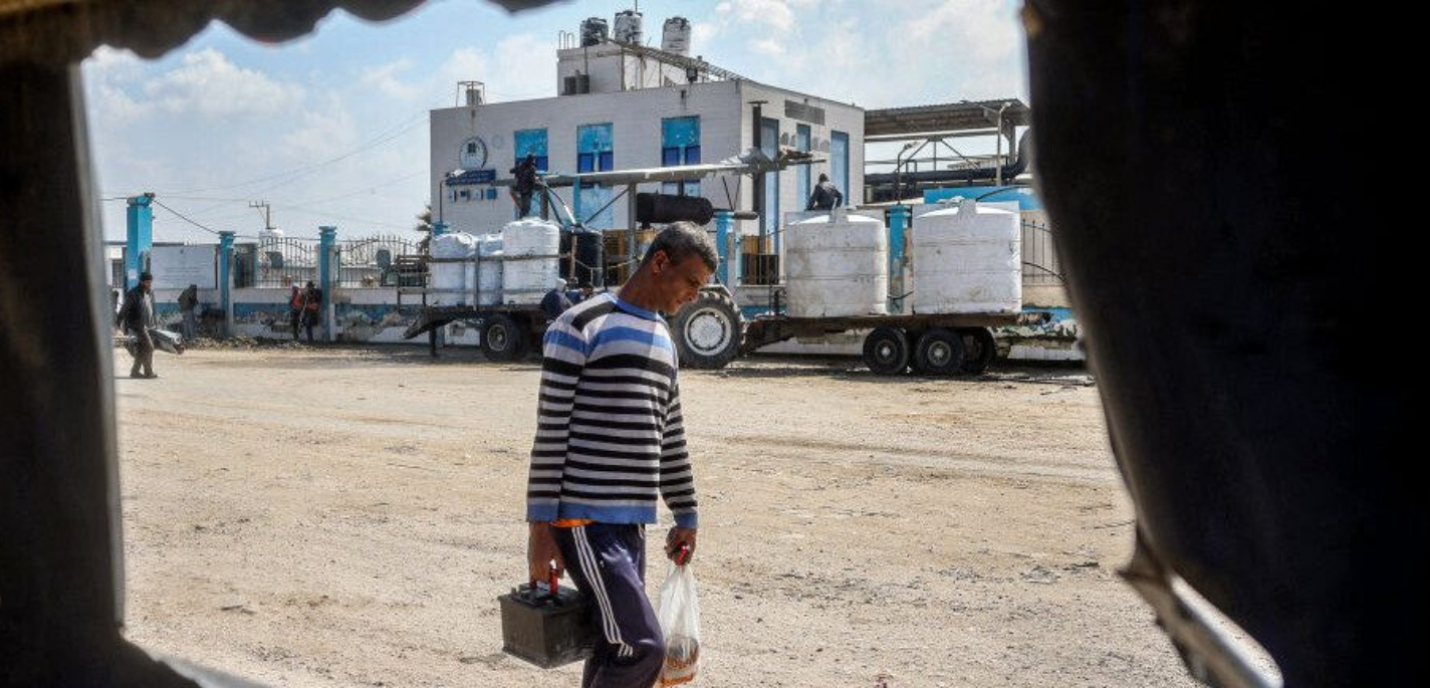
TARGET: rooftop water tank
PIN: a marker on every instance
(675, 36)
(594, 31)
(837, 265)
(531, 250)
(967, 259)
(628, 27)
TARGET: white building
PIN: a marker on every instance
(624, 106)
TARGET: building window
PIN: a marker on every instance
(770, 145)
(595, 148)
(532, 142)
(680, 145)
(839, 162)
(801, 174)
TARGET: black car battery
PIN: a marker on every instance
(546, 624)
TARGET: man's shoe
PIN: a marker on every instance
(135, 375)
(152, 376)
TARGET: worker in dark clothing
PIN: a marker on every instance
(826, 195)
(137, 318)
(295, 309)
(188, 308)
(555, 302)
(312, 301)
(525, 186)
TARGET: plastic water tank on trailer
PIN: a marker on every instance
(488, 269)
(967, 259)
(531, 250)
(837, 265)
(451, 281)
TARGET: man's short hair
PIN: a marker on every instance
(682, 239)
(145, 277)
(823, 177)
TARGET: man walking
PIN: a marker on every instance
(137, 317)
(611, 438)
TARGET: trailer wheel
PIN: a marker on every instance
(707, 331)
(886, 351)
(940, 352)
(978, 349)
(503, 339)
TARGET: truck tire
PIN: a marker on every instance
(978, 349)
(939, 352)
(707, 331)
(886, 351)
(503, 338)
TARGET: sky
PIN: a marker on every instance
(332, 128)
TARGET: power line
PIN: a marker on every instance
(289, 175)
(185, 218)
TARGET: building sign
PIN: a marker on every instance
(176, 267)
(470, 177)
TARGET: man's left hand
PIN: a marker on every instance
(677, 538)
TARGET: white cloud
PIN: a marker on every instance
(774, 13)
(464, 64)
(766, 46)
(209, 85)
(385, 80)
(105, 74)
(325, 132)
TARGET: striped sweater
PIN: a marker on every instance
(609, 433)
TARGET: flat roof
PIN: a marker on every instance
(946, 117)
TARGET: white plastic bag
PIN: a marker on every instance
(680, 623)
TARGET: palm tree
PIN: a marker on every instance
(424, 225)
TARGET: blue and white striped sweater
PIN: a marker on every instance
(609, 435)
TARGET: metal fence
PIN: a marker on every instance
(284, 262)
(1040, 259)
(381, 261)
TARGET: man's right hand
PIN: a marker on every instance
(541, 550)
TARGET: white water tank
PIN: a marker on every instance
(531, 260)
(450, 267)
(628, 27)
(675, 36)
(488, 270)
(967, 259)
(837, 265)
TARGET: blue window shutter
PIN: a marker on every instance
(669, 156)
(608, 160)
(692, 154)
(585, 162)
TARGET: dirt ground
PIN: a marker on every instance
(347, 517)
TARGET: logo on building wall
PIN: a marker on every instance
(473, 154)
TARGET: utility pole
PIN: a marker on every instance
(267, 213)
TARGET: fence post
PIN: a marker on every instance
(898, 222)
(225, 279)
(327, 267)
(139, 218)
